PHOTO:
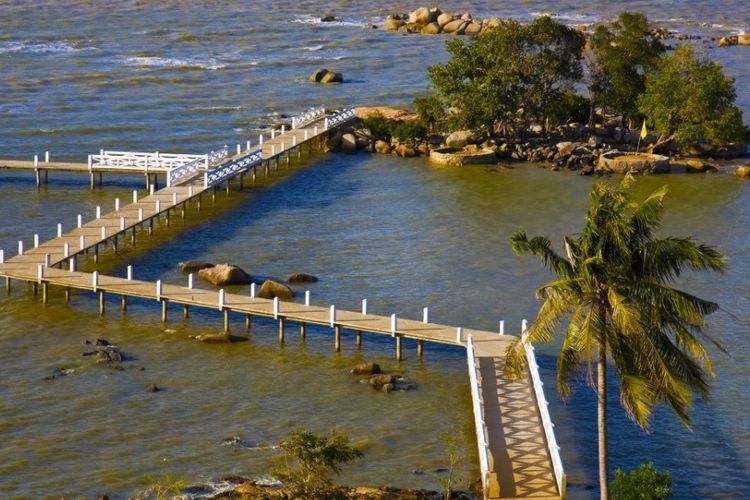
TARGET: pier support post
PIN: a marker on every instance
(420, 348)
(248, 322)
(124, 303)
(91, 180)
(358, 335)
(7, 286)
(281, 330)
(37, 178)
(200, 201)
(399, 351)
(164, 303)
(226, 320)
(151, 227)
(67, 294)
(101, 303)
(35, 288)
(186, 311)
(302, 330)
(337, 338)
(45, 286)
(96, 254)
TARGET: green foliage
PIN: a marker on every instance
(166, 486)
(409, 130)
(510, 68)
(451, 480)
(430, 111)
(689, 100)
(380, 127)
(310, 461)
(568, 107)
(643, 483)
(613, 298)
(624, 52)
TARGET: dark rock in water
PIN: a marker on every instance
(109, 353)
(194, 265)
(225, 274)
(324, 75)
(102, 342)
(153, 388)
(418, 472)
(60, 372)
(441, 470)
(103, 497)
(378, 381)
(369, 368)
(328, 18)
(219, 338)
(271, 289)
(387, 388)
(302, 278)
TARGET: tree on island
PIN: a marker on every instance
(689, 100)
(622, 54)
(508, 76)
(614, 289)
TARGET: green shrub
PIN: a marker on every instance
(430, 111)
(409, 131)
(568, 106)
(381, 128)
(643, 483)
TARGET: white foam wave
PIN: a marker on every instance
(313, 48)
(359, 23)
(173, 62)
(27, 47)
(570, 18)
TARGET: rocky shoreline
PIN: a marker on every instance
(573, 147)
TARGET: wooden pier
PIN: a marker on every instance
(518, 454)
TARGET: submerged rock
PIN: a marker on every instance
(194, 265)
(369, 368)
(302, 278)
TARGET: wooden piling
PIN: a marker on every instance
(124, 303)
(302, 330)
(7, 285)
(248, 322)
(186, 311)
(67, 294)
(45, 287)
(358, 335)
(337, 338)
(164, 303)
(101, 303)
(399, 351)
(281, 329)
(226, 320)
(420, 348)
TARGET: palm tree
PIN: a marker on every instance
(613, 288)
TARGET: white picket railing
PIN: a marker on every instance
(549, 427)
(339, 118)
(148, 162)
(232, 168)
(188, 171)
(310, 116)
(475, 378)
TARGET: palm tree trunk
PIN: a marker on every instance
(601, 386)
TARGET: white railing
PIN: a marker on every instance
(475, 378)
(549, 427)
(232, 168)
(188, 171)
(337, 119)
(308, 117)
(157, 162)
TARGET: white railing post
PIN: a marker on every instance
(66, 250)
(190, 281)
(47, 260)
(275, 308)
(282, 147)
(305, 134)
(90, 164)
(221, 299)
(294, 123)
(502, 327)
(294, 140)
(325, 124)
(95, 280)
(247, 146)
(72, 264)
(174, 199)
(46, 157)
(307, 297)
(80, 221)
(273, 150)
(205, 180)
(59, 230)
(158, 289)
(524, 327)
(36, 161)
(459, 335)
(283, 129)
(117, 204)
(130, 273)
(135, 196)
(394, 324)
(151, 189)
(2, 256)
(140, 214)
(20, 247)
(39, 273)
(82, 241)
(260, 139)
(273, 133)
(36, 241)
(104, 232)
(158, 206)
(122, 223)
(252, 290)
(333, 315)
(205, 162)
(364, 306)
(425, 315)
(190, 191)
(98, 212)
(239, 149)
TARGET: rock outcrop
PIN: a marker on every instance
(369, 368)
(302, 278)
(324, 75)
(225, 274)
(271, 289)
(194, 265)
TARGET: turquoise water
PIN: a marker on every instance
(183, 78)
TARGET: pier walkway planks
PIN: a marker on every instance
(520, 457)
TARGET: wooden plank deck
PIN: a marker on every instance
(517, 443)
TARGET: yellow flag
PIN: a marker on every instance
(644, 132)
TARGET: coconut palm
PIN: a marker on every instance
(613, 289)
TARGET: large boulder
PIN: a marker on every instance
(392, 24)
(318, 75)
(332, 77)
(743, 39)
(432, 29)
(474, 28)
(382, 147)
(328, 18)
(225, 274)
(348, 143)
(565, 148)
(378, 381)
(422, 15)
(699, 166)
(271, 289)
(728, 41)
(369, 368)
(743, 172)
(194, 265)
(301, 278)
(387, 112)
(444, 19)
(459, 139)
(404, 151)
(456, 26)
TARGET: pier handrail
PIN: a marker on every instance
(342, 116)
(187, 171)
(308, 117)
(549, 427)
(233, 167)
(475, 379)
(144, 160)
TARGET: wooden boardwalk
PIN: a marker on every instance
(520, 462)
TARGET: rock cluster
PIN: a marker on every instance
(433, 21)
(104, 351)
(324, 75)
(224, 274)
(728, 41)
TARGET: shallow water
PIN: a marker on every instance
(178, 77)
